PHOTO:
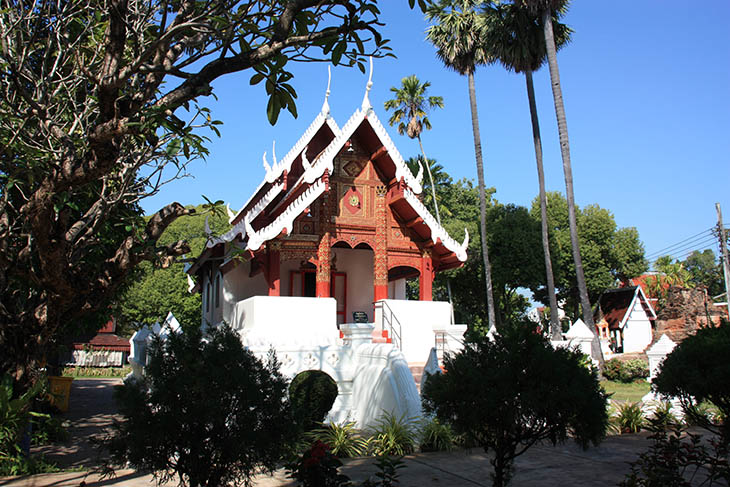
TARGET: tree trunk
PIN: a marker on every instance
(555, 328)
(438, 217)
(568, 172)
(430, 178)
(482, 200)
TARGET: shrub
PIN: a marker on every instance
(509, 393)
(387, 475)
(663, 418)
(312, 394)
(698, 370)
(634, 369)
(15, 414)
(436, 436)
(612, 369)
(676, 458)
(343, 439)
(317, 467)
(629, 418)
(208, 411)
(628, 371)
(393, 436)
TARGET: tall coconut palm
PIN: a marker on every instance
(517, 41)
(457, 33)
(546, 9)
(410, 107)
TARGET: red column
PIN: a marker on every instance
(274, 269)
(380, 271)
(426, 279)
(324, 251)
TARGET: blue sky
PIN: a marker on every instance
(647, 95)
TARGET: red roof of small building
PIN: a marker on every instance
(105, 339)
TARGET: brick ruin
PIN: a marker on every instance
(684, 311)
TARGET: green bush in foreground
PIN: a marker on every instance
(629, 418)
(680, 459)
(343, 439)
(208, 412)
(312, 394)
(509, 393)
(393, 436)
(698, 370)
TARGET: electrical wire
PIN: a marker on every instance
(689, 241)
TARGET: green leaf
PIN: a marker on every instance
(272, 109)
(256, 79)
(173, 147)
(338, 51)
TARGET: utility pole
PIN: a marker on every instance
(723, 250)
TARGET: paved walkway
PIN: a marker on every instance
(92, 412)
(565, 466)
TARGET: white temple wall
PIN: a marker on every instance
(397, 289)
(637, 330)
(359, 265)
(237, 286)
(293, 321)
(418, 320)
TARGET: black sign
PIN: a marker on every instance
(360, 317)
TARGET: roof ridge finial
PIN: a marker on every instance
(326, 104)
(366, 105)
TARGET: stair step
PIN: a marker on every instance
(417, 372)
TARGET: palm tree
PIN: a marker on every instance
(457, 34)
(546, 10)
(411, 106)
(517, 41)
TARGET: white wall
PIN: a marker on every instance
(237, 286)
(417, 321)
(283, 319)
(359, 265)
(397, 289)
(637, 330)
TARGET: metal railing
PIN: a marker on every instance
(391, 324)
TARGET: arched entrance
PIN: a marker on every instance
(352, 279)
(403, 282)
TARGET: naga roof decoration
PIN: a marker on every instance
(316, 185)
(274, 171)
(437, 231)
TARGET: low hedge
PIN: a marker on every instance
(628, 371)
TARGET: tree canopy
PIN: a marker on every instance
(609, 253)
(100, 106)
(154, 290)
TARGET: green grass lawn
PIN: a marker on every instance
(632, 392)
(96, 372)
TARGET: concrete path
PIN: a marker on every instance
(92, 412)
(543, 465)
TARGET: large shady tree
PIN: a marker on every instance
(99, 107)
(458, 32)
(546, 10)
(517, 41)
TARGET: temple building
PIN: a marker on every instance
(329, 237)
